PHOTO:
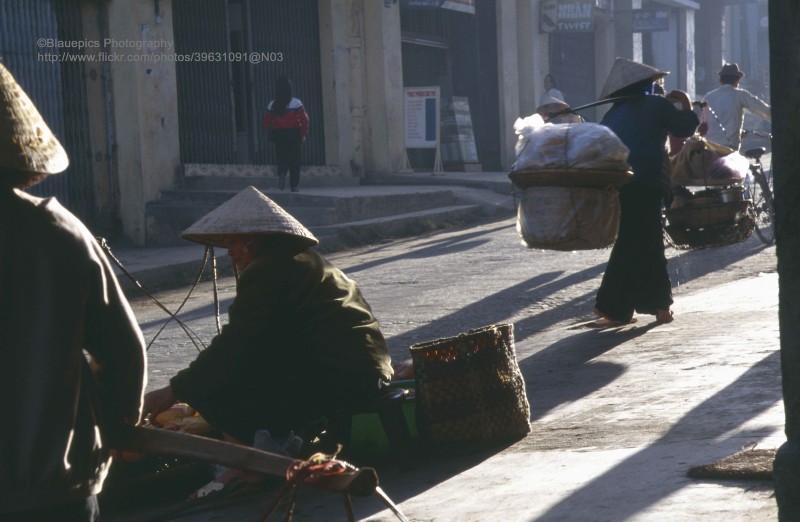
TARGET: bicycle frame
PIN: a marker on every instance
(761, 196)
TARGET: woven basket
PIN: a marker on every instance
(565, 177)
(568, 218)
(708, 215)
(470, 391)
(709, 237)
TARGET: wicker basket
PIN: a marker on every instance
(566, 177)
(568, 218)
(470, 390)
(709, 237)
(707, 215)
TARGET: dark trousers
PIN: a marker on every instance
(636, 278)
(287, 151)
(84, 510)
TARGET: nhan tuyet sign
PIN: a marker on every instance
(567, 16)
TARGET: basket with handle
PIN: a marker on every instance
(470, 391)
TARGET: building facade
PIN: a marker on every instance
(167, 87)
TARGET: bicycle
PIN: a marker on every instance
(758, 189)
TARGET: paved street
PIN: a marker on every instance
(618, 415)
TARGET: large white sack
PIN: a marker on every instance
(567, 145)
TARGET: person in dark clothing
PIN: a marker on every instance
(286, 125)
(301, 340)
(636, 278)
(74, 365)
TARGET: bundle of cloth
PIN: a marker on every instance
(702, 159)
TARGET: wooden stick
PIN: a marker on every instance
(355, 481)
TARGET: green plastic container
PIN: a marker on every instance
(368, 438)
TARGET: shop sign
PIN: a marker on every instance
(567, 16)
(422, 117)
(650, 20)
(464, 6)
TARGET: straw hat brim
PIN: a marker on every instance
(625, 73)
(552, 100)
(250, 212)
(26, 142)
(220, 240)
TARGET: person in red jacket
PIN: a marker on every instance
(286, 125)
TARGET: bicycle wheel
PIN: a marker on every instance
(760, 189)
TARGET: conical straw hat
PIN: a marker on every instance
(26, 142)
(552, 100)
(248, 212)
(627, 72)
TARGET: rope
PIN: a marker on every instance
(203, 264)
(317, 465)
(216, 292)
(188, 331)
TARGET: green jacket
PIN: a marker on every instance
(291, 317)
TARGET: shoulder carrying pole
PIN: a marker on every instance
(595, 104)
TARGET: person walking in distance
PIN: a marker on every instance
(286, 125)
(725, 108)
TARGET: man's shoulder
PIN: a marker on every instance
(718, 90)
(45, 220)
(49, 213)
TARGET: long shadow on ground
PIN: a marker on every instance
(741, 400)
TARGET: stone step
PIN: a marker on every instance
(344, 235)
(167, 219)
(237, 183)
(219, 196)
(179, 209)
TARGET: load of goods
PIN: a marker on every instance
(568, 176)
(709, 207)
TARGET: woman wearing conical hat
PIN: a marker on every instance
(59, 299)
(551, 104)
(301, 341)
(636, 278)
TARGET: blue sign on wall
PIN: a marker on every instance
(650, 20)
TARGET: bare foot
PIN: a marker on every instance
(604, 322)
(665, 316)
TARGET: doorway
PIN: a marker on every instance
(572, 65)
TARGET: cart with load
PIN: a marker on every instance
(709, 207)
